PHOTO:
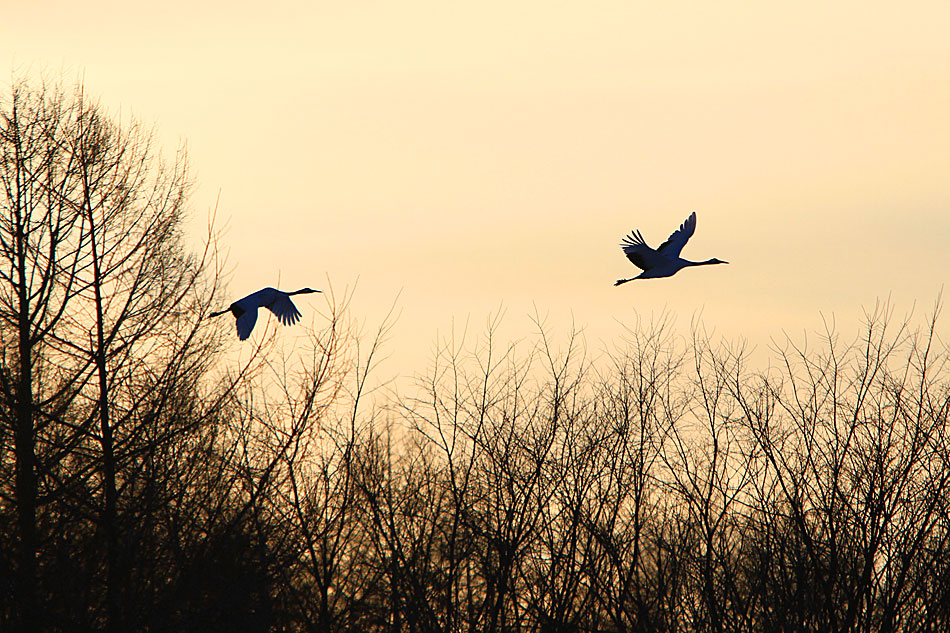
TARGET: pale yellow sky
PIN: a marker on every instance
(472, 155)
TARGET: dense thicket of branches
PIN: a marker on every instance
(664, 487)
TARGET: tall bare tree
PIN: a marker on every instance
(41, 251)
(101, 306)
(138, 288)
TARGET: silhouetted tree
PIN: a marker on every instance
(102, 306)
(41, 250)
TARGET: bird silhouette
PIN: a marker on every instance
(277, 301)
(664, 261)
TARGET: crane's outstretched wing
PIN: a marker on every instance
(677, 240)
(284, 309)
(637, 251)
(245, 323)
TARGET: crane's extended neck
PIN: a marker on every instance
(706, 263)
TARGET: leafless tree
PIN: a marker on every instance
(101, 307)
(41, 249)
(677, 490)
(851, 452)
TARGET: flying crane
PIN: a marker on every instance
(277, 301)
(664, 261)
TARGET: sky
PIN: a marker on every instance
(460, 159)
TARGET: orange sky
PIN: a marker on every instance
(477, 155)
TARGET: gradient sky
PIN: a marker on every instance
(490, 154)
